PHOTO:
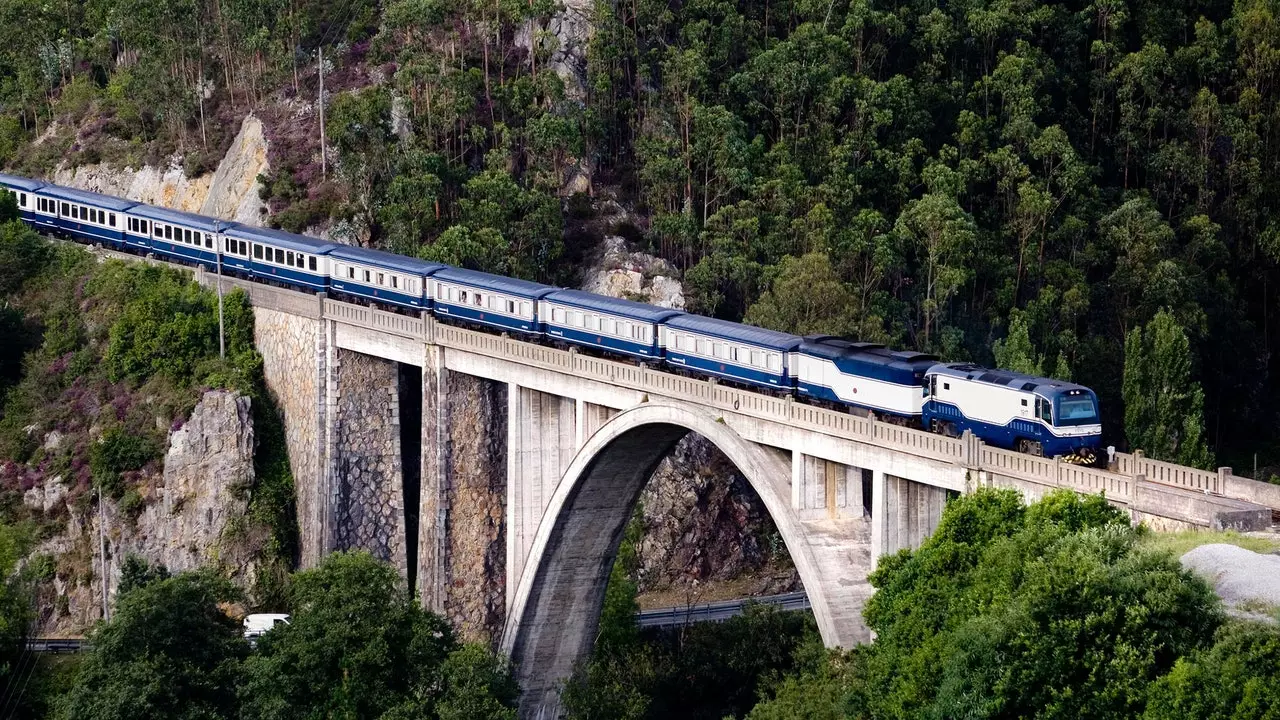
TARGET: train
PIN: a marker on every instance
(1035, 415)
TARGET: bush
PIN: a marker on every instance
(119, 452)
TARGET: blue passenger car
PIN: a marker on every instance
(381, 276)
(85, 215)
(283, 257)
(494, 300)
(604, 322)
(866, 375)
(743, 353)
(173, 234)
(24, 192)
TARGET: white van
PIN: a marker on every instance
(258, 623)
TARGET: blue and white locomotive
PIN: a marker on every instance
(1041, 416)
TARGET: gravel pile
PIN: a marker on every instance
(1246, 581)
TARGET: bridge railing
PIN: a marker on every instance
(1169, 473)
(965, 451)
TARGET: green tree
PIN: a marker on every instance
(359, 646)
(1015, 351)
(1234, 679)
(16, 612)
(943, 234)
(806, 298)
(1163, 406)
(1049, 611)
(169, 651)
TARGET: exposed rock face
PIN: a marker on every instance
(475, 555)
(230, 193)
(166, 187)
(368, 493)
(233, 191)
(292, 350)
(208, 473)
(618, 272)
(193, 516)
(703, 523)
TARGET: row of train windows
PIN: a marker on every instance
(496, 303)
(77, 212)
(237, 247)
(284, 257)
(370, 277)
(725, 351)
(181, 235)
(597, 323)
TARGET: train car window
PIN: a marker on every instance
(168, 232)
(288, 258)
(22, 199)
(66, 209)
(395, 282)
(367, 275)
(946, 386)
(208, 240)
(722, 351)
(111, 219)
(312, 263)
(701, 347)
(1024, 402)
(1042, 410)
(351, 273)
(257, 252)
(775, 362)
(159, 231)
(733, 353)
(757, 358)
(557, 315)
(479, 300)
(511, 307)
(382, 279)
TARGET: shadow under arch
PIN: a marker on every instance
(555, 612)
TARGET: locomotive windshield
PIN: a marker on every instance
(1077, 410)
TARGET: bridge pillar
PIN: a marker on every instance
(366, 482)
(543, 434)
(825, 489)
(433, 502)
(903, 513)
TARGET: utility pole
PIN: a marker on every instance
(102, 553)
(222, 341)
(324, 171)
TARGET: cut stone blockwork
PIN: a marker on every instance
(366, 482)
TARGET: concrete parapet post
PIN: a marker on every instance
(1223, 474)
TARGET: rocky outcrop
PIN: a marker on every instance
(704, 524)
(230, 193)
(368, 490)
(167, 187)
(475, 554)
(292, 350)
(616, 271)
(200, 502)
(191, 515)
(233, 190)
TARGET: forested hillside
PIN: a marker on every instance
(1006, 181)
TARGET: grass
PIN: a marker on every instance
(1179, 543)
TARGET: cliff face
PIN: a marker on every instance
(192, 514)
(230, 193)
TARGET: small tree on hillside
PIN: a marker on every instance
(1163, 406)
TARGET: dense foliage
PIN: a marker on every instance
(169, 651)
(1055, 610)
(699, 671)
(358, 647)
(1044, 175)
(102, 352)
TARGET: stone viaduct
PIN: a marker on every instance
(498, 474)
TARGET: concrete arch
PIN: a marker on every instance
(555, 612)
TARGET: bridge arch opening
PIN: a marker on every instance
(554, 614)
